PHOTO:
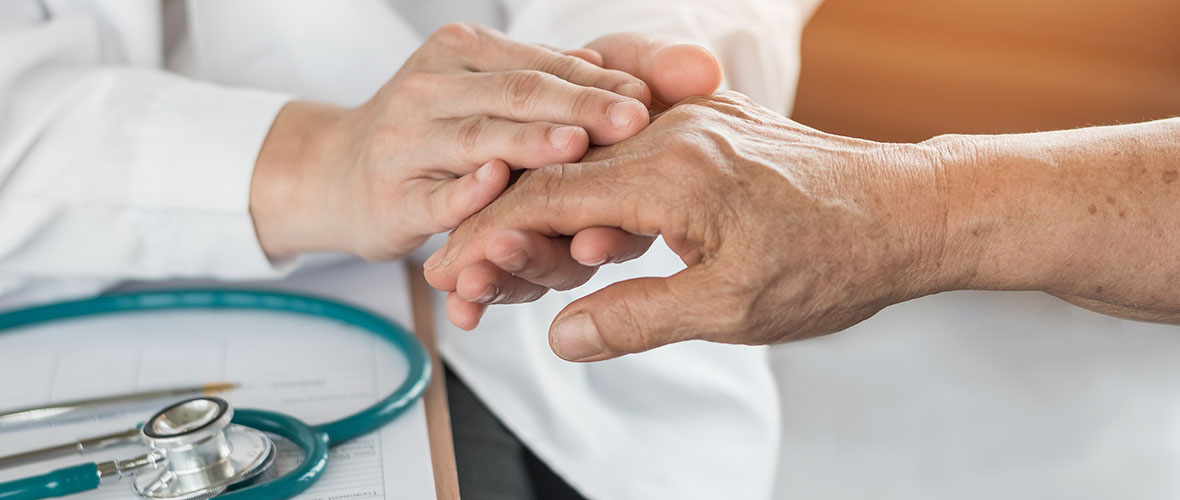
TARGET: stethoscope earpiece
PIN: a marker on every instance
(203, 454)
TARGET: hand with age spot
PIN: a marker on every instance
(789, 233)
(776, 222)
(673, 72)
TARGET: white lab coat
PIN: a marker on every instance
(111, 169)
(128, 134)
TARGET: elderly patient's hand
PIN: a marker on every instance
(435, 144)
(523, 265)
(787, 232)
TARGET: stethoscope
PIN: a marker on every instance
(203, 447)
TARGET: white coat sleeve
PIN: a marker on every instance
(110, 173)
(756, 40)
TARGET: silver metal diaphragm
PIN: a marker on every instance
(204, 454)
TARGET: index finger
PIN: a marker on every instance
(484, 49)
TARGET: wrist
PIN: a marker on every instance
(911, 194)
(999, 230)
(294, 200)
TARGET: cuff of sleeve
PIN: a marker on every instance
(198, 146)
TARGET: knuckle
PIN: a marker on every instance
(545, 181)
(523, 90)
(728, 104)
(522, 294)
(642, 337)
(469, 135)
(455, 35)
(685, 111)
(730, 97)
(585, 103)
(564, 66)
(447, 210)
(463, 232)
(420, 84)
(543, 270)
(571, 279)
(528, 136)
(714, 100)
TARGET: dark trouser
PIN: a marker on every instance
(492, 463)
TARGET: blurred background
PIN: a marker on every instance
(906, 70)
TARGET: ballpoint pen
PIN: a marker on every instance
(37, 414)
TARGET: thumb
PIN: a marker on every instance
(633, 316)
(449, 202)
(674, 71)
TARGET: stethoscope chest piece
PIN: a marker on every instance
(203, 453)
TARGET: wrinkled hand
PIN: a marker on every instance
(787, 232)
(522, 265)
(435, 144)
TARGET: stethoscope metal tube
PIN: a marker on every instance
(202, 447)
(114, 470)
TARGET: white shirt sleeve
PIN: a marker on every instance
(756, 40)
(112, 173)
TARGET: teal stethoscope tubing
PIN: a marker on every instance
(314, 440)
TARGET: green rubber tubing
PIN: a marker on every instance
(313, 440)
(58, 483)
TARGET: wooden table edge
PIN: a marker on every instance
(438, 416)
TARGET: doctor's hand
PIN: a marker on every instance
(523, 265)
(435, 144)
(787, 232)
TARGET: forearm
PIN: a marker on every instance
(1087, 214)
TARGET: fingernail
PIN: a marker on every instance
(561, 137)
(625, 112)
(434, 259)
(484, 173)
(451, 255)
(598, 263)
(489, 293)
(634, 90)
(515, 262)
(576, 338)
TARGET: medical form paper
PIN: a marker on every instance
(316, 369)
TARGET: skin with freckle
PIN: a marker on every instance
(723, 220)
(789, 233)
(522, 266)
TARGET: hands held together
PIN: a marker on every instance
(437, 142)
(786, 232)
(789, 233)
(435, 146)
